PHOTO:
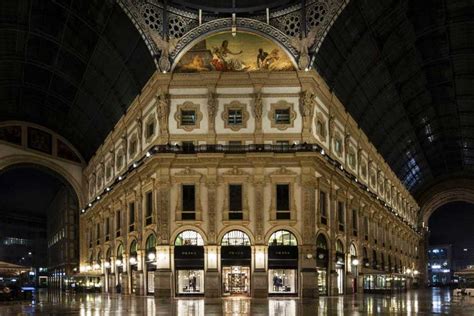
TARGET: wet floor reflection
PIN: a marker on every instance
(420, 302)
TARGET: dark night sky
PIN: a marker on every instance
(453, 224)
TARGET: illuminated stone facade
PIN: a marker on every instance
(252, 154)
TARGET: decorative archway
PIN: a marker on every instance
(54, 167)
(455, 190)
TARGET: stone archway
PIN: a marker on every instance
(454, 190)
(23, 159)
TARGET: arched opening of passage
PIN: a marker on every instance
(451, 239)
(39, 213)
(282, 263)
(340, 266)
(189, 263)
(322, 264)
(236, 259)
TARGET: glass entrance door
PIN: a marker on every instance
(236, 280)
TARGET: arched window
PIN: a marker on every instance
(282, 238)
(99, 254)
(120, 251)
(133, 248)
(189, 238)
(108, 254)
(150, 243)
(235, 238)
(353, 251)
(321, 242)
(339, 247)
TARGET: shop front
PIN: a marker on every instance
(109, 279)
(133, 266)
(150, 263)
(354, 267)
(282, 264)
(340, 267)
(384, 283)
(322, 264)
(189, 263)
(236, 258)
(119, 269)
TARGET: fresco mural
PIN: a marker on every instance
(243, 52)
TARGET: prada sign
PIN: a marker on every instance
(283, 257)
(236, 255)
(189, 257)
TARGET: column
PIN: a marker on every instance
(309, 286)
(140, 280)
(259, 278)
(212, 277)
(163, 274)
(125, 279)
(309, 275)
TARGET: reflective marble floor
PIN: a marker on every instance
(416, 302)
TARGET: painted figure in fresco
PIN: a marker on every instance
(230, 63)
(272, 58)
(261, 58)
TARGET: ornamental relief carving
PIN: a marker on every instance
(162, 111)
(235, 106)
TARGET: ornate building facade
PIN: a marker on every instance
(255, 183)
(237, 172)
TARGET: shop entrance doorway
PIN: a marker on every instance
(236, 280)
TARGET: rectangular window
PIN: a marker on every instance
(235, 117)
(188, 117)
(282, 116)
(340, 215)
(323, 207)
(354, 222)
(131, 213)
(149, 208)
(107, 229)
(188, 202)
(283, 201)
(98, 233)
(150, 129)
(366, 227)
(118, 223)
(235, 201)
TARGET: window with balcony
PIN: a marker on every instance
(131, 218)
(118, 223)
(188, 200)
(323, 207)
(235, 202)
(283, 201)
(340, 215)
(149, 208)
